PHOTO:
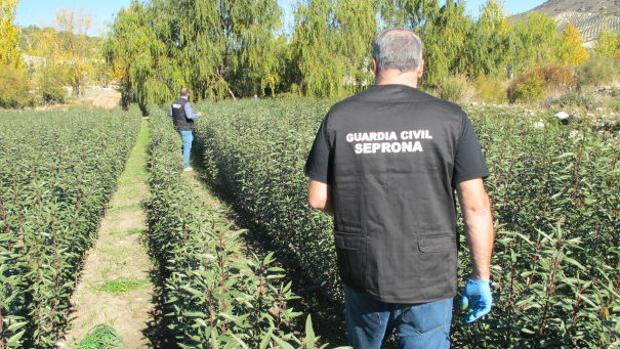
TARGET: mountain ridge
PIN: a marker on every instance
(591, 17)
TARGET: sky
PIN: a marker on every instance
(42, 12)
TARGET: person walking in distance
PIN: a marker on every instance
(183, 118)
(388, 163)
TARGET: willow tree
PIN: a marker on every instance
(445, 38)
(357, 26)
(320, 65)
(135, 54)
(199, 49)
(489, 46)
(412, 14)
(254, 50)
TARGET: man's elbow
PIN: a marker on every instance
(317, 203)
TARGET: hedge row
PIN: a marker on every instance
(555, 191)
(58, 170)
(213, 295)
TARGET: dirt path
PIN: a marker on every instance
(115, 288)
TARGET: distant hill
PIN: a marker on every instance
(591, 17)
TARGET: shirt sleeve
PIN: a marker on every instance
(469, 161)
(170, 112)
(318, 165)
(189, 112)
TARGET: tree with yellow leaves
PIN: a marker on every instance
(14, 84)
(9, 35)
(571, 50)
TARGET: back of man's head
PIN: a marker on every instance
(397, 49)
(184, 92)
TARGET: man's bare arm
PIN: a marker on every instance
(478, 218)
(319, 196)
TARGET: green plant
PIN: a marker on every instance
(212, 293)
(598, 70)
(528, 88)
(101, 337)
(555, 194)
(454, 88)
(574, 99)
(614, 105)
(14, 88)
(122, 285)
(490, 90)
(58, 170)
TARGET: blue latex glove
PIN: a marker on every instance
(478, 298)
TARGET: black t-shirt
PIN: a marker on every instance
(469, 161)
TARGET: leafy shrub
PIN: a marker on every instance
(14, 88)
(57, 173)
(541, 82)
(527, 88)
(454, 88)
(49, 81)
(614, 105)
(213, 295)
(598, 70)
(554, 191)
(490, 90)
(575, 99)
(556, 77)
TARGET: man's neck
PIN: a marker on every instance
(397, 78)
(185, 97)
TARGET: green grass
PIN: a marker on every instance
(122, 285)
(135, 172)
(101, 337)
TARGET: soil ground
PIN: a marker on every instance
(115, 288)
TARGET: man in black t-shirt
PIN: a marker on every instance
(386, 163)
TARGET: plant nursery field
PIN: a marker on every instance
(555, 191)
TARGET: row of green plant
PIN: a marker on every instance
(556, 197)
(57, 172)
(213, 293)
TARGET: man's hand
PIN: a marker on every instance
(477, 298)
(319, 196)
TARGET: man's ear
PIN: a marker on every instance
(421, 69)
(374, 66)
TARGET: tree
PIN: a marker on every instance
(412, 14)
(9, 36)
(571, 50)
(488, 47)
(252, 46)
(356, 23)
(608, 44)
(536, 40)
(316, 56)
(80, 53)
(136, 55)
(50, 68)
(445, 39)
